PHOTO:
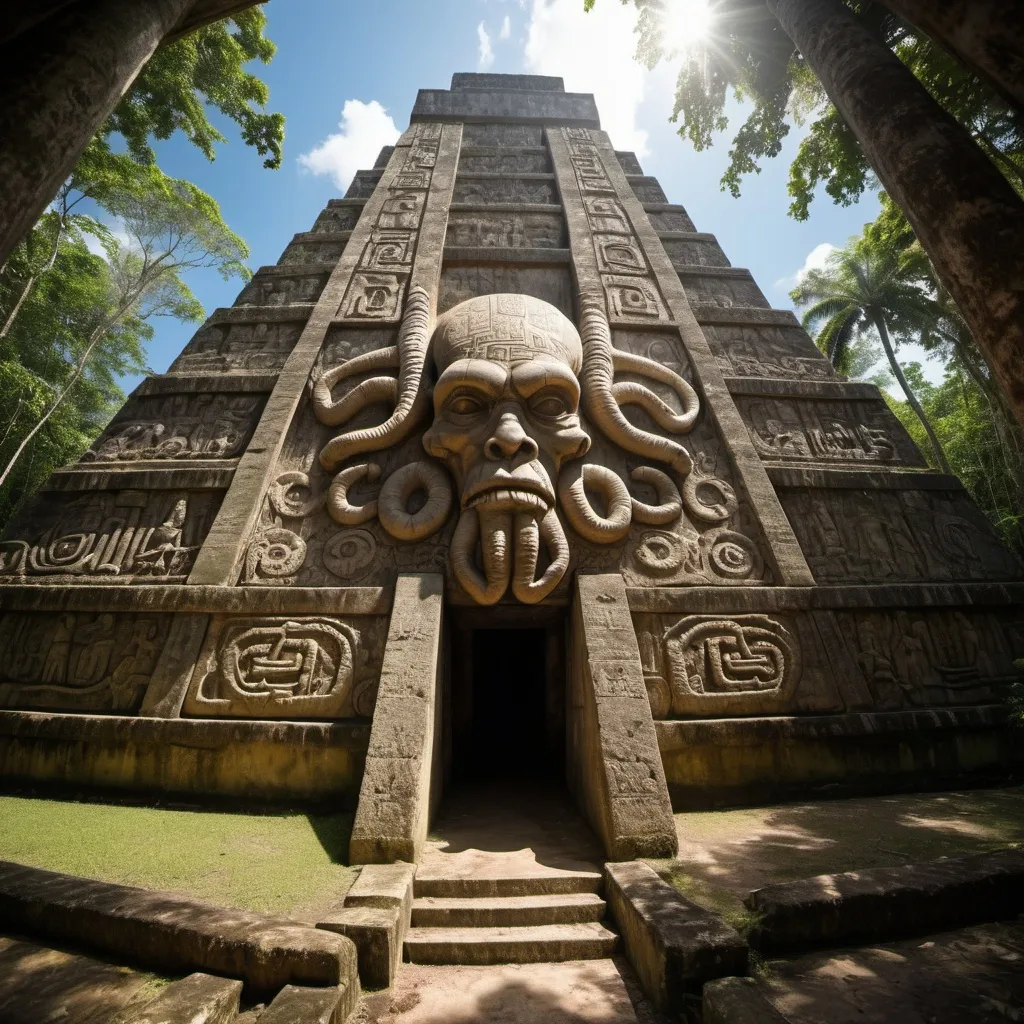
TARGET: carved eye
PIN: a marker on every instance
(466, 405)
(549, 405)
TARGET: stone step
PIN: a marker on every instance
(476, 885)
(507, 911)
(551, 943)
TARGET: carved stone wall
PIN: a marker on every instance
(505, 290)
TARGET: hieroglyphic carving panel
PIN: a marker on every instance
(648, 190)
(878, 535)
(362, 186)
(671, 220)
(84, 661)
(631, 289)
(723, 290)
(920, 657)
(308, 251)
(497, 161)
(779, 352)
(300, 667)
(552, 284)
(186, 426)
(529, 135)
(506, 229)
(277, 289)
(701, 252)
(807, 430)
(337, 218)
(533, 191)
(377, 287)
(220, 347)
(149, 535)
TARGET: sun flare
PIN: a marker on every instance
(686, 23)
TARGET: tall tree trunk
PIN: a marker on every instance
(908, 391)
(986, 35)
(965, 213)
(58, 83)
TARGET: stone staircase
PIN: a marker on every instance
(500, 919)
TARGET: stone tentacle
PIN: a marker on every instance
(530, 534)
(670, 504)
(493, 530)
(598, 378)
(393, 501)
(582, 516)
(338, 505)
(413, 391)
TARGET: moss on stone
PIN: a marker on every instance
(272, 863)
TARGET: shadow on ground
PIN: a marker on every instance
(725, 854)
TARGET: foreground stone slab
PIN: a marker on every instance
(737, 1001)
(969, 976)
(384, 886)
(197, 999)
(172, 933)
(674, 945)
(297, 1005)
(548, 943)
(888, 902)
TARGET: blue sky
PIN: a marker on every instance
(378, 54)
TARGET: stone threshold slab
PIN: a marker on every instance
(172, 933)
(884, 903)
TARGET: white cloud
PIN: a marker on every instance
(593, 53)
(506, 28)
(485, 55)
(817, 259)
(365, 128)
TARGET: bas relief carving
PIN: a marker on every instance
(509, 230)
(513, 375)
(149, 534)
(878, 535)
(222, 347)
(188, 426)
(776, 352)
(303, 667)
(87, 661)
(795, 430)
(921, 657)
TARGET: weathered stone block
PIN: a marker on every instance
(198, 999)
(377, 933)
(674, 945)
(295, 1004)
(384, 886)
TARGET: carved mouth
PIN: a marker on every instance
(507, 493)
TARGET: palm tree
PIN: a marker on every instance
(872, 284)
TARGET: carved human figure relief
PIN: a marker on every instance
(511, 375)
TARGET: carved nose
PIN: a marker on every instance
(509, 439)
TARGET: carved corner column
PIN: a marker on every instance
(395, 798)
(417, 182)
(617, 254)
(615, 764)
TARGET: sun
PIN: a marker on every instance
(685, 23)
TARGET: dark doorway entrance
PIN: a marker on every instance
(508, 696)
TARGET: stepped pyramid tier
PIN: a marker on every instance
(503, 458)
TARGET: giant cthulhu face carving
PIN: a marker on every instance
(511, 372)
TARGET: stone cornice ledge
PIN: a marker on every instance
(736, 600)
(119, 597)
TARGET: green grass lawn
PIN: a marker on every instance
(267, 862)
